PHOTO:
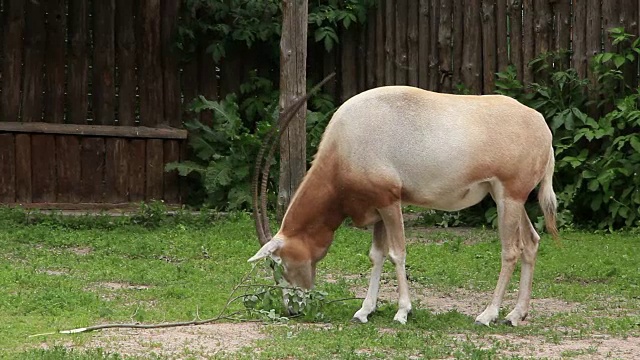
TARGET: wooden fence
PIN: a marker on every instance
(437, 44)
(92, 95)
(90, 102)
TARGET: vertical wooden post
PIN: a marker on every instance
(412, 37)
(444, 46)
(12, 50)
(379, 48)
(55, 61)
(472, 53)
(77, 76)
(579, 25)
(528, 39)
(458, 42)
(126, 57)
(501, 35)
(424, 32)
(401, 41)
(104, 55)
(515, 36)
(434, 21)
(293, 79)
(389, 40)
(489, 48)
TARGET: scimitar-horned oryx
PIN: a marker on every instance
(398, 145)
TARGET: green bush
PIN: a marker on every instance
(596, 128)
(225, 151)
(218, 25)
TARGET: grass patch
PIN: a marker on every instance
(54, 276)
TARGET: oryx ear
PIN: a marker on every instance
(267, 249)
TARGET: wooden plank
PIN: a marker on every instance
(43, 160)
(116, 177)
(7, 168)
(610, 20)
(126, 62)
(528, 39)
(68, 168)
(543, 31)
(361, 56)
(349, 73)
(434, 71)
(34, 46)
(389, 39)
(401, 58)
(579, 43)
(562, 28)
(23, 168)
(594, 46)
(458, 41)
(629, 15)
(472, 53)
(154, 170)
(92, 169)
(150, 62)
(95, 130)
(12, 52)
(171, 178)
(629, 21)
(137, 169)
(502, 33)
(370, 57)
(55, 61)
(424, 33)
(77, 78)
(379, 46)
(103, 86)
(190, 87)
(170, 73)
(489, 48)
(515, 36)
(413, 62)
(208, 83)
(593, 32)
(444, 46)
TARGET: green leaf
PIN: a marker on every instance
(606, 57)
(635, 143)
(618, 61)
(184, 168)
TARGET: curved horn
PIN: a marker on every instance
(259, 197)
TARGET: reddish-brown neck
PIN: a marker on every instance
(315, 212)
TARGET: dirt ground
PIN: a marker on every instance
(225, 338)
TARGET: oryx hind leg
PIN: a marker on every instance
(377, 254)
(510, 212)
(392, 218)
(529, 239)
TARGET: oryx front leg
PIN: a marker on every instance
(377, 254)
(509, 215)
(392, 218)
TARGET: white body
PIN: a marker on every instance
(397, 144)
